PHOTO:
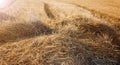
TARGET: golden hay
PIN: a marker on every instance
(74, 40)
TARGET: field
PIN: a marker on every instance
(60, 32)
(108, 7)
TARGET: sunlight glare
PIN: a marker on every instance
(3, 3)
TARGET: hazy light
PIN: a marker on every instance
(3, 3)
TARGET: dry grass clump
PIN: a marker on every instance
(20, 30)
(48, 11)
(104, 40)
(76, 40)
(101, 30)
(67, 47)
(75, 44)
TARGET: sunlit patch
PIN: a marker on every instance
(5, 3)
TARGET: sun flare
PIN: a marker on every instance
(3, 3)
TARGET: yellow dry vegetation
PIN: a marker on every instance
(57, 33)
(106, 9)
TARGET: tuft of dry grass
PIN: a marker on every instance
(20, 30)
(48, 11)
(74, 40)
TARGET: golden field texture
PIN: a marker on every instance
(105, 9)
(48, 32)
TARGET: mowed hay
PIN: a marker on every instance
(55, 50)
(75, 44)
(20, 30)
(49, 50)
(73, 40)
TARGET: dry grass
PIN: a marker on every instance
(106, 7)
(48, 11)
(21, 30)
(76, 40)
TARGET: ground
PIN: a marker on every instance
(60, 32)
